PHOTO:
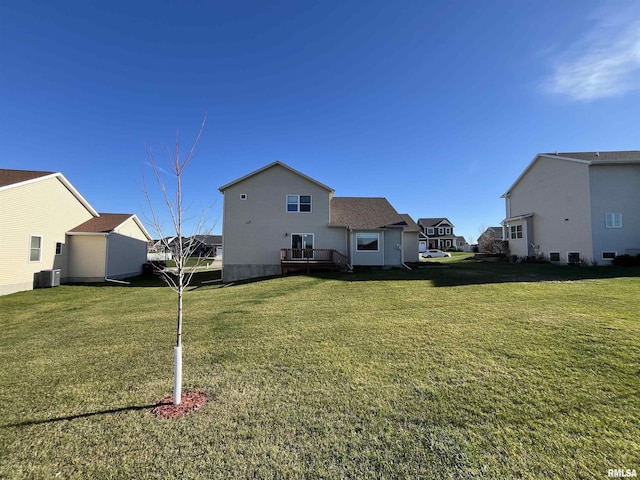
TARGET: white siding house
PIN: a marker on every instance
(575, 207)
(38, 212)
(277, 210)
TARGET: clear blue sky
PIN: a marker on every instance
(436, 105)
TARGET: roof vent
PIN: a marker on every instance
(556, 153)
(597, 154)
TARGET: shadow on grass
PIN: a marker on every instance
(152, 280)
(133, 408)
(472, 272)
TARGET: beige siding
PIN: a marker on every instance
(557, 193)
(88, 258)
(410, 246)
(45, 208)
(255, 229)
(130, 228)
(125, 256)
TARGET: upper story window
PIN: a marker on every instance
(448, 230)
(35, 248)
(516, 231)
(441, 231)
(613, 220)
(298, 203)
(430, 231)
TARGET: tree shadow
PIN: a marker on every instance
(133, 408)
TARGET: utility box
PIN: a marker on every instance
(49, 278)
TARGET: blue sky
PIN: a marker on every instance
(436, 105)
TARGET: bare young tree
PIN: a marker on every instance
(180, 277)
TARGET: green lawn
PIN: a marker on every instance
(454, 370)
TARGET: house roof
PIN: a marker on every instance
(434, 222)
(271, 165)
(624, 157)
(13, 177)
(209, 239)
(412, 226)
(495, 232)
(107, 223)
(364, 213)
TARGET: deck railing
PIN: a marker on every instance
(310, 257)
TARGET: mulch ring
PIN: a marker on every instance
(190, 402)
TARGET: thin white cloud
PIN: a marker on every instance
(605, 62)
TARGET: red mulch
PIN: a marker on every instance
(189, 403)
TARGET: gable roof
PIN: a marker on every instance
(271, 165)
(411, 225)
(493, 232)
(624, 157)
(433, 222)
(107, 223)
(209, 239)
(16, 177)
(364, 213)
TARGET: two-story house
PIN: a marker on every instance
(574, 207)
(277, 217)
(438, 233)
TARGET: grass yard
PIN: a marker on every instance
(454, 370)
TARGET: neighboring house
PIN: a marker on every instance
(277, 217)
(575, 207)
(490, 241)
(201, 245)
(46, 225)
(438, 233)
(209, 245)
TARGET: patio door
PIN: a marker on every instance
(302, 245)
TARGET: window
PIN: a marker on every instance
(441, 231)
(367, 242)
(448, 231)
(58, 248)
(516, 231)
(243, 196)
(430, 231)
(35, 248)
(613, 220)
(447, 244)
(609, 255)
(554, 256)
(298, 203)
(573, 258)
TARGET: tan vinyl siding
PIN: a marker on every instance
(45, 208)
(130, 228)
(88, 257)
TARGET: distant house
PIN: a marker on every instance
(438, 233)
(487, 241)
(48, 226)
(574, 207)
(277, 218)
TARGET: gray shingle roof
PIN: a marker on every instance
(620, 156)
(105, 223)
(364, 212)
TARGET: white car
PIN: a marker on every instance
(435, 254)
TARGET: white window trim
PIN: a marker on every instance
(430, 231)
(286, 202)
(614, 216)
(243, 196)
(515, 228)
(615, 254)
(440, 230)
(39, 250)
(579, 256)
(557, 253)
(367, 251)
(448, 230)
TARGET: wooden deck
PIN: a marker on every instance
(311, 259)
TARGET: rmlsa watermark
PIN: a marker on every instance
(622, 473)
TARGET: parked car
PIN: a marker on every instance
(435, 254)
